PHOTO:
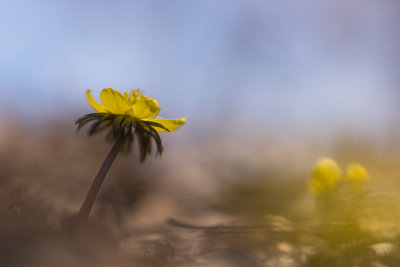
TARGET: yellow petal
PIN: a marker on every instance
(171, 125)
(357, 173)
(325, 176)
(114, 101)
(146, 108)
(140, 106)
(153, 109)
(96, 105)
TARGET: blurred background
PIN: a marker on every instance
(267, 87)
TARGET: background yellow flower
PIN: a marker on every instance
(325, 176)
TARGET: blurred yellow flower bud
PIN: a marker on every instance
(325, 176)
(357, 173)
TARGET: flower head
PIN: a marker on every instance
(327, 176)
(129, 114)
(357, 173)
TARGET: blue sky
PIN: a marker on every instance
(301, 64)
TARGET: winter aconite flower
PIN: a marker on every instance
(357, 173)
(357, 177)
(135, 106)
(126, 116)
(328, 176)
(325, 176)
(129, 114)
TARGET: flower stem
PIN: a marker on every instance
(95, 187)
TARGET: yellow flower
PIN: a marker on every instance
(128, 115)
(134, 105)
(357, 178)
(325, 176)
(357, 173)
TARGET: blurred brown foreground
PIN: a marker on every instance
(228, 202)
